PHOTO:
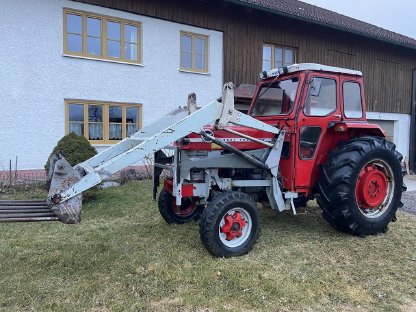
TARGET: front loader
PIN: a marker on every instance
(305, 137)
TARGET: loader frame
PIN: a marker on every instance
(182, 163)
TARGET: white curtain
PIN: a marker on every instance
(96, 131)
(132, 128)
(115, 131)
(76, 127)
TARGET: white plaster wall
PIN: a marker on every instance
(36, 77)
(401, 129)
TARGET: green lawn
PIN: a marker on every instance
(124, 257)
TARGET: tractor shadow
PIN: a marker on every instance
(307, 219)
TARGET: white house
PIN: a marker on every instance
(102, 73)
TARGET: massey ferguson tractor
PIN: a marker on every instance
(305, 136)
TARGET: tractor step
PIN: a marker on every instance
(25, 211)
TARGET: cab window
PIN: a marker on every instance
(322, 97)
(353, 107)
(309, 138)
(277, 98)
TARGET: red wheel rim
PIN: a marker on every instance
(184, 210)
(372, 187)
(233, 225)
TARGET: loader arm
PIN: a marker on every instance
(67, 185)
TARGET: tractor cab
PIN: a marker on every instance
(318, 106)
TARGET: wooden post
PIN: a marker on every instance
(15, 171)
(10, 173)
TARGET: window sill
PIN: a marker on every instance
(101, 60)
(106, 144)
(194, 72)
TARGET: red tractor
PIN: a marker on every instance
(305, 136)
(325, 149)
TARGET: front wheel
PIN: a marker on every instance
(171, 213)
(230, 225)
(361, 186)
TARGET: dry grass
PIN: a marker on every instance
(123, 257)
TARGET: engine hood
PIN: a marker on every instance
(196, 142)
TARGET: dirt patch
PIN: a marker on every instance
(411, 177)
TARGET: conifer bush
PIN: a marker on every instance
(75, 149)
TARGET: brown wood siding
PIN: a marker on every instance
(387, 68)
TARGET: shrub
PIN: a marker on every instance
(128, 175)
(75, 149)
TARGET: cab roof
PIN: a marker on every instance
(307, 66)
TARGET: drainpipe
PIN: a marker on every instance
(412, 149)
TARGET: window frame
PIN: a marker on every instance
(106, 118)
(343, 99)
(104, 36)
(206, 59)
(284, 48)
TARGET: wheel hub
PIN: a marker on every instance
(185, 209)
(233, 225)
(371, 187)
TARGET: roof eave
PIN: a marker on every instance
(304, 19)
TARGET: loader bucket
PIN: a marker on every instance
(62, 176)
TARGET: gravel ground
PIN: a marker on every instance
(409, 201)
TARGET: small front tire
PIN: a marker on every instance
(230, 225)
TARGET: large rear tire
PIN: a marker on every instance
(230, 225)
(172, 213)
(360, 186)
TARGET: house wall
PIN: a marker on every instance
(397, 127)
(36, 77)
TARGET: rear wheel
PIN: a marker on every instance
(361, 186)
(230, 225)
(171, 213)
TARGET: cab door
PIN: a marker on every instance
(319, 112)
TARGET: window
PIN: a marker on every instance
(194, 52)
(276, 99)
(322, 97)
(101, 37)
(352, 100)
(309, 138)
(275, 57)
(102, 122)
